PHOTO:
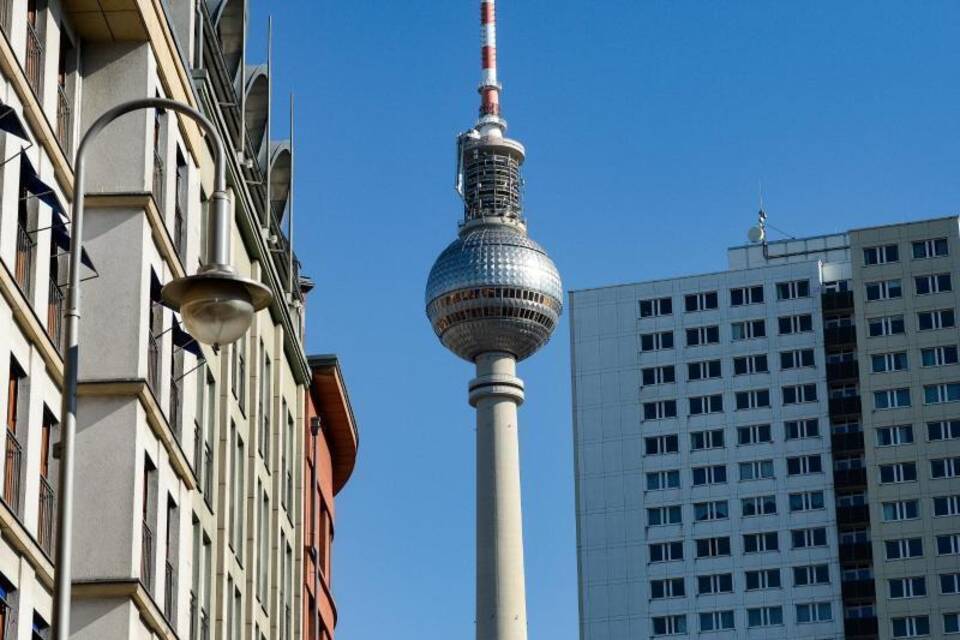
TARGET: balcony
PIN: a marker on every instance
(856, 552)
(849, 406)
(146, 558)
(34, 59)
(853, 515)
(63, 118)
(840, 371)
(861, 627)
(846, 442)
(850, 478)
(832, 301)
(840, 336)
(48, 511)
(55, 300)
(858, 589)
(153, 365)
(169, 591)
(11, 473)
(23, 270)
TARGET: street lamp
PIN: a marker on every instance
(217, 305)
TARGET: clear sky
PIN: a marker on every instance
(648, 126)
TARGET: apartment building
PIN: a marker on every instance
(189, 460)
(769, 449)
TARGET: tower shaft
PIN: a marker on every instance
(496, 393)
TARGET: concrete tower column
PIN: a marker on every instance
(496, 393)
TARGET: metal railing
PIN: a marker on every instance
(146, 558)
(11, 473)
(175, 413)
(23, 271)
(179, 237)
(193, 615)
(208, 472)
(204, 625)
(34, 59)
(158, 179)
(288, 490)
(169, 590)
(55, 314)
(46, 519)
(153, 364)
(63, 118)
(197, 450)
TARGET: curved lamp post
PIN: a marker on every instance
(217, 305)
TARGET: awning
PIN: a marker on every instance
(40, 189)
(10, 122)
(60, 236)
(155, 288)
(185, 341)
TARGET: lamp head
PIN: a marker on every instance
(217, 304)
(314, 426)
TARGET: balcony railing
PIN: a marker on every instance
(48, 510)
(169, 591)
(846, 442)
(24, 265)
(856, 552)
(837, 371)
(175, 412)
(11, 473)
(839, 336)
(63, 118)
(179, 237)
(146, 558)
(197, 450)
(153, 364)
(34, 59)
(208, 472)
(837, 300)
(849, 406)
(853, 515)
(861, 627)
(848, 478)
(55, 314)
(158, 179)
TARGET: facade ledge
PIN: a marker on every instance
(130, 588)
(138, 388)
(17, 535)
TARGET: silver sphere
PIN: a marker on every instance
(494, 289)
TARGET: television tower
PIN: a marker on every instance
(493, 298)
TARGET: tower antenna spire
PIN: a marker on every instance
(490, 121)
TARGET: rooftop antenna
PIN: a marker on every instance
(758, 232)
(290, 214)
(269, 207)
(490, 122)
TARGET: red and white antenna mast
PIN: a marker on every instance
(490, 121)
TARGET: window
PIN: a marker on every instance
(657, 480)
(762, 579)
(900, 510)
(661, 444)
(748, 329)
(746, 295)
(659, 516)
(765, 617)
(855, 536)
(760, 542)
(903, 548)
(939, 356)
(813, 537)
(934, 283)
(658, 375)
(667, 588)
(898, 472)
(756, 470)
(798, 393)
(943, 430)
(792, 290)
(949, 583)
(716, 583)
(951, 623)
(754, 434)
(716, 621)
(745, 365)
(859, 611)
(803, 465)
(669, 625)
(941, 393)
(795, 324)
(656, 307)
(844, 463)
(716, 474)
(811, 574)
(713, 547)
(666, 551)
(884, 290)
(944, 468)
(881, 254)
(806, 501)
(706, 404)
(814, 612)
(240, 372)
(660, 410)
(712, 439)
(891, 398)
(753, 399)
(937, 319)
(758, 506)
(656, 341)
(948, 545)
(929, 248)
(796, 359)
(715, 510)
(893, 436)
(703, 370)
(800, 429)
(703, 335)
(914, 587)
(700, 301)
(885, 326)
(846, 426)
(946, 506)
(885, 362)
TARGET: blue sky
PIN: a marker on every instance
(648, 126)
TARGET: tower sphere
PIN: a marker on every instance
(494, 289)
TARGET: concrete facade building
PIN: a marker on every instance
(189, 517)
(753, 447)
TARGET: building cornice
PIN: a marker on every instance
(133, 589)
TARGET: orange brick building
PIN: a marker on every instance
(330, 452)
